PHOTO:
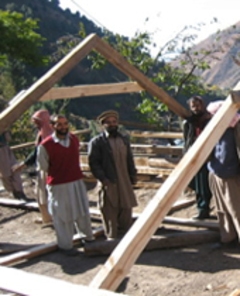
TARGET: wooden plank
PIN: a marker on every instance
(178, 205)
(212, 225)
(156, 149)
(7, 248)
(142, 161)
(142, 170)
(162, 135)
(42, 85)
(236, 292)
(9, 202)
(40, 250)
(30, 144)
(132, 244)
(21, 146)
(25, 283)
(168, 240)
(81, 91)
(146, 185)
(162, 163)
(121, 63)
(148, 126)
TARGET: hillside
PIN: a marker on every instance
(55, 24)
(224, 72)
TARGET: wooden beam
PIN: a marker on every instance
(30, 144)
(236, 292)
(162, 135)
(26, 283)
(7, 248)
(168, 240)
(156, 149)
(125, 254)
(42, 85)
(136, 148)
(162, 163)
(14, 203)
(121, 63)
(212, 225)
(41, 250)
(178, 205)
(81, 91)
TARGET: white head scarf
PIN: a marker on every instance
(213, 108)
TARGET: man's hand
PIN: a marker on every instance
(106, 182)
(18, 167)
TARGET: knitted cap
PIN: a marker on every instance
(106, 114)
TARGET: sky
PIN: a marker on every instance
(165, 18)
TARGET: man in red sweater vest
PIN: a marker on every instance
(58, 155)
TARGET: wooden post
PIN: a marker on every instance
(125, 254)
(42, 85)
(121, 63)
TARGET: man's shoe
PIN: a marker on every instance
(21, 196)
(202, 215)
(70, 252)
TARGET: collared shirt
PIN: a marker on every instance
(64, 142)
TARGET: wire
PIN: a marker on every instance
(89, 15)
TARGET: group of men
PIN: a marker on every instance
(111, 161)
(220, 174)
(56, 154)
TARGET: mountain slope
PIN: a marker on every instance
(224, 71)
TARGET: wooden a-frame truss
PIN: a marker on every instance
(127, 251)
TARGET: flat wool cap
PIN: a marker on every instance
(106, 114)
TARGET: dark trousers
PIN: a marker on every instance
(200, 185)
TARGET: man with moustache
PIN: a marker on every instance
(58, 155)
(192, 128)
(111, 162)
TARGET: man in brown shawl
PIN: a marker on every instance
(111, 162)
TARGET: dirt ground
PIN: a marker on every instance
(191, 270)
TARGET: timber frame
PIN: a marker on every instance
(127, 251)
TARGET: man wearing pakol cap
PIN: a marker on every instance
(224, 179)
(111, 162)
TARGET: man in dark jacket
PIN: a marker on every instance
(192, 127)
(111, 162)
(224, 180)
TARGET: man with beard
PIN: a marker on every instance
(111, 162)
(58, 155)
(192, 128)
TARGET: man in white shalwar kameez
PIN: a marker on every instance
(58, 155)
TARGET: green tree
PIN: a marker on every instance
(178, 79)
(19, 39)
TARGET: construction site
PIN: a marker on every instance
(165, 252)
